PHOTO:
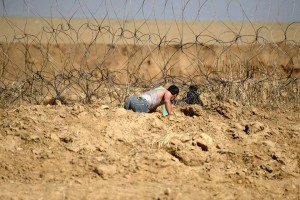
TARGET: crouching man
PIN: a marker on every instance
(149, 101)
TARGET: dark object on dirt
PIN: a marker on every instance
(192, 96)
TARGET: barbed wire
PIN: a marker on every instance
(86, 60)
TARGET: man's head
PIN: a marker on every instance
(174, 91)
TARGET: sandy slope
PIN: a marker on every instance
(220, 151)
(85, 30)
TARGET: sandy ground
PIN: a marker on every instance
(147, 31)
(219, 151)
(131, 51)
(100, 151)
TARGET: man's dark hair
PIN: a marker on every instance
(173, 89)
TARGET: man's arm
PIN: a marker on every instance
(167, 101)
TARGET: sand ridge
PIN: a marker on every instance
(145, 31)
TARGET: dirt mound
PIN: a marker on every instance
(222, 151)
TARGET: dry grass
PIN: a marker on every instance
(78, 61)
